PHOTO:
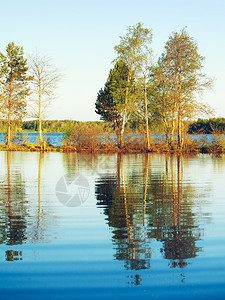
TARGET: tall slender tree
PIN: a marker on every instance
(131, 50)
(43, 84)
(14, 85)
(163, 106)
(180, 75)
(144, 86)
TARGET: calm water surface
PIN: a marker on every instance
(56, 138)
(149, 226)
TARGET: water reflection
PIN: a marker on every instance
(174, 222)
(37, 233)
(12, 255)
(146, 229)
(149, 207)
(149, 204)
(22, 220)
(12, 224)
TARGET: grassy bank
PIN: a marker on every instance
(83, 137)
(86, 142)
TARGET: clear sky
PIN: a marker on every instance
(79, 35)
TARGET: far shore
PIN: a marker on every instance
(129, 148)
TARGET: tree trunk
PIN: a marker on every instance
(40, 131)
(179, 130)
(119, 138)
(146, 116)
(8, 131)
(118, 132)
(172, 132)
(125, 110)
(179, 137)
(122, 132)
(9, 116)
(166, 129)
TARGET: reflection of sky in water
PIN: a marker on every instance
(158, 224)
(54, 139)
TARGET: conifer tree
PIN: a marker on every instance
(14, 85)
(111, 101)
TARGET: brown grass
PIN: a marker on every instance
(88, 142)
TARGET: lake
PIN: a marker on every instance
(81, 226)
(56, 138)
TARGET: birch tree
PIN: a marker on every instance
(44, 81)
(144, 86)
(130, 50)
(180, 75)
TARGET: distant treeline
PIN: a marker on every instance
(201, 126)
(64, 126)
(60, 125)
(207, 126)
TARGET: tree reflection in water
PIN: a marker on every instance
(13, 224)
(180, 234)
(147, 205)
(21, 222)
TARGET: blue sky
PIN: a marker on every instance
(79, 35)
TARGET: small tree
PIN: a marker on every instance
(14, 85)
(44, 81)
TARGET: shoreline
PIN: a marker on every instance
(111, 149)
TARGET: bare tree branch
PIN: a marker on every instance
(43, 85)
